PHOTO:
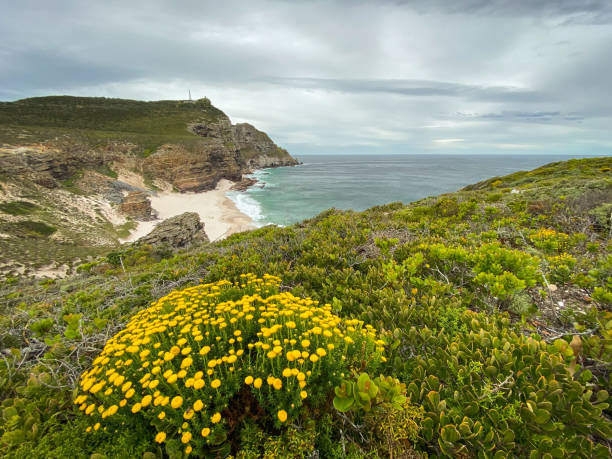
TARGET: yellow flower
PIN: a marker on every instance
(205, 350)
(176, 402)
(305, 343)
(198, 405)
(277, 384)
(198, 384)
(215, 418)
(257, 383)
(146, 400)
(186, 437)
(303, 394)
(287, 372)
(188, 414)
(188, 450)
(161, 415)
(136, 408)
(96, 426)
(282, 415)
(321, 352)
(248, 380)
(205, 432)
(215, 383)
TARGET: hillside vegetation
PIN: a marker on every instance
(99, 119)
(472, 324)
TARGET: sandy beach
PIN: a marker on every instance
(220, 215)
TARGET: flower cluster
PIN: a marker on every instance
(549, 240)
(186, 363)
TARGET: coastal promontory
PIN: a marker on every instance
(82, 169)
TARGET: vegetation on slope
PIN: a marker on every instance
(99, 119)
(493, 304)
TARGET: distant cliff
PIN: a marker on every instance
(190, 146)
(84, 167)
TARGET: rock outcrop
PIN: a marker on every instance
(257, 150)
(137, 205)
(47, 164)
(177, 232)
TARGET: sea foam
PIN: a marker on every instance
(248, 206)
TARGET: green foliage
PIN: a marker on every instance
(18, 207)
(41, 327)
(367, 394)
(437, 277)
(29, 228)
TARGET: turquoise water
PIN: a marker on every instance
(292, 194)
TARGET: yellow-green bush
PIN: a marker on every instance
(200, 360)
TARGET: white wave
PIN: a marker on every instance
(249, 206)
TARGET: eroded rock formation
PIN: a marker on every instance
(177, 232)
(137, 206)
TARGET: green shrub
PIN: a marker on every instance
(190, 364)
(29, 228)
(18, 207)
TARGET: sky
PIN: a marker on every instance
(422, 76)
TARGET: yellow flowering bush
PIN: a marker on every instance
(197, 362)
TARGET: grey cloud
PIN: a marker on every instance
(576, 11)
(538, 117)
(317, 75)
(414, 88)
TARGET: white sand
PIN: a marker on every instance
(220, 215)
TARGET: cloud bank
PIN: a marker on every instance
(468, 76)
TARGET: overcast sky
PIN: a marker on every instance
(429, 76)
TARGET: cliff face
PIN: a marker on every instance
(47, 164)
(215, 157)
(209, 149)
(226, 151)
(257, 151)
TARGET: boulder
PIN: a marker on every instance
(137, 205)
(176, 232)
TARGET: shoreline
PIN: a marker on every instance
(218, 212)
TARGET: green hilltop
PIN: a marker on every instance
(97, 119)
(493, 305)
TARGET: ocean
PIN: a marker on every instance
(287, 195)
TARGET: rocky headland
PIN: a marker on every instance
(87, 168)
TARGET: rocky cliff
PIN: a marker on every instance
(257, 151)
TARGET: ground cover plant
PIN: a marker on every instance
(493, 304)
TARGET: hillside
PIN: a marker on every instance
(491, 316)
(69, 164)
